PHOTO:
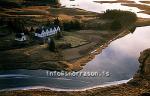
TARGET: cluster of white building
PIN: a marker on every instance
(39, 33)
(44, 32)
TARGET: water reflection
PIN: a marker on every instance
(90, 5)
(122, 54)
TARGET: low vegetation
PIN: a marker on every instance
(72, 25)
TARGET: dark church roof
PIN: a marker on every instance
(18, 35)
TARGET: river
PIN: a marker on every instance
(116, 64)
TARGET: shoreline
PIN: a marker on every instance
(141, 22)
(97, 50)
(107, 84)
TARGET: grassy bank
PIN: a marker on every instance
(119, 1)
(139, 6)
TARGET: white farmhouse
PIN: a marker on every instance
(20, 37)
(45, 32)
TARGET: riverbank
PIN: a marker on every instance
(77, 64)
(138, 86)
(80, 62)
(119, 90)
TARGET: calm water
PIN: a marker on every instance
(120, 59)
(90, 5)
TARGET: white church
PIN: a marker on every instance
(47, 31)
(40, 33)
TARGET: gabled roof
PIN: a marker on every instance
(19, 35)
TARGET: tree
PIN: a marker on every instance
(52, 46)
(31, 30)
(124, 17)
(59, 35)
(54, 1)
(57, 22)
(66, 26)
(116, 25)
(16, 25)
(77, 25)
(72, 25)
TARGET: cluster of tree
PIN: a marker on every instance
(72, 25)
(58, 23)
(115, 25)
(16, 25)
(55, 22)
(2, 21)
(125, 16)
(9, 4)
(20, 3)
(120, 18)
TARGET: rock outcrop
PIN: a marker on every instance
(142, 77)
(144, 59)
